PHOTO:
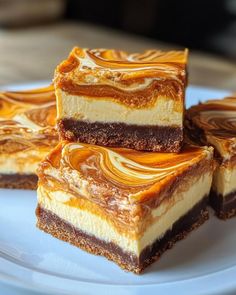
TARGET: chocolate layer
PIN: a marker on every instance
(225, 207)
(149, 138)
(51, 223)
(19, 181)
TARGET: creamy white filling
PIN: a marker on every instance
(24, 162)
(224, 180)
(163, 113)
(92, 224)
(184, 201)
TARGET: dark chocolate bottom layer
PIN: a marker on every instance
(60, 229)
(150, 138)
(19, 181)
(225, 207)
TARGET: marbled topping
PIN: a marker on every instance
(216, 116)
(217, 121)
(135, 80)
(27, 119)
(121, 181)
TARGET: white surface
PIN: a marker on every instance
(204, 263)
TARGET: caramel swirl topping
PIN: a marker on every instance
(126, 78)
(217, 117)
(27, 118)
(124, 167)
(117, 179)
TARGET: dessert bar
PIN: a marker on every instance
(214, 123)
(126, 205)
(113, 98)
(27, 134)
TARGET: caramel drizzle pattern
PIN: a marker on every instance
(133, 99)
(156, 60)
(38, 106)
(117, 74)
(217, 117)
(127, 169)
(27, 119)
(161, 63)
(112, 178)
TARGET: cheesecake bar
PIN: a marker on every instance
(113, 98)
(214, 123)
(126, 205)
(27, 134)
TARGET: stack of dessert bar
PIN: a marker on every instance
(121, 183)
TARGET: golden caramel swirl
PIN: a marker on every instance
(126, 184)
(124, 167)
(217, 117)
(123, 77)
(27, 119)
(119, 180)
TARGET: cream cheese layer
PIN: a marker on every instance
(165, 112)
(22, 162)
(224, 180)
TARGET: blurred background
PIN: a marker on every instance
(36, 35)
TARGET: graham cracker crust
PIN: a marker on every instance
(149, 138)
(225, 207)
(19, 181)
(52, 224)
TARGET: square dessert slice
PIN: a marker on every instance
(214, 123)
(126, 205)
(27, 134)
(112, 98)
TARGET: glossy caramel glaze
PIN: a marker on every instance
(27, 120)
(135, 80)
(123, 181)
(216, 120)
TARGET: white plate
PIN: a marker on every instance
(204, 263)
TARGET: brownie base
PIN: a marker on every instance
(52, 224)
(19, 181)
(149, 138)
(225, 207)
